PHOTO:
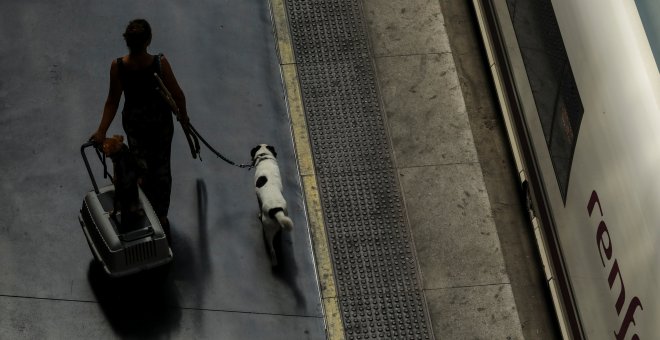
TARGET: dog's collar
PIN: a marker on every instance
(260, 157)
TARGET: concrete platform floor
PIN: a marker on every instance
(55, 63)
(482, 274)
(476, 252)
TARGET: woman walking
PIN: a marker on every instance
(146, 116)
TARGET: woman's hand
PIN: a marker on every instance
(98, 137)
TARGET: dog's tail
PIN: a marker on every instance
(284, 220)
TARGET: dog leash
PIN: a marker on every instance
(193, 143)
(192, 135)
(245, 165)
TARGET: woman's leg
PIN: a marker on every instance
(159, 179)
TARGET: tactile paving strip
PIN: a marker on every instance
(341, 104)
(377, 280)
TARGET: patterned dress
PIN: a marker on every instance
(147, 121)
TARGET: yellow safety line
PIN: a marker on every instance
(282, 36)
(333, 320)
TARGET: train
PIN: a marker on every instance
(578, 84)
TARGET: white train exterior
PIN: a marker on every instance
(596, 203)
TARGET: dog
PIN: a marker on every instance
(272, 205)
(126, 180)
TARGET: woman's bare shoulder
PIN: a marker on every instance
(163, 59)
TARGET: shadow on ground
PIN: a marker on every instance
(146, 304)
(287, 269)
(143, 305)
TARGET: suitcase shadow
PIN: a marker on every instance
(143, 305)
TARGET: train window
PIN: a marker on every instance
(551, 78)
(649, 12)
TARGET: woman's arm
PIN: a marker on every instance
(111, 104)
(173, 86)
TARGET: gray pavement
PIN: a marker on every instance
(482, 275)
(524, 267)
(466, 285)
(55, 63)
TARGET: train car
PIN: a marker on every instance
(578, 83)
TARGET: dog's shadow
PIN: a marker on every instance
(286, 269)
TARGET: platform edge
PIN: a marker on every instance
(302, 145)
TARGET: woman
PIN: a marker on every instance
(146, 116)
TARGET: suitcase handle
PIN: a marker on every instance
(89, 170)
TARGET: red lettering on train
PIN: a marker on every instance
(604, 247)
(602, 231)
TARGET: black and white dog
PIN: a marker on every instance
(272, 205)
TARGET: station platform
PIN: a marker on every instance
(399, 180)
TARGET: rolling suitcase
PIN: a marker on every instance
(142, 248)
